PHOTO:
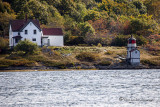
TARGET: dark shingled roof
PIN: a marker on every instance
(18, 25)
(52, 31)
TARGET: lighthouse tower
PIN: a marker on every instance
(133, 54)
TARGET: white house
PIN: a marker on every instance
(133, 54)
(30, 29)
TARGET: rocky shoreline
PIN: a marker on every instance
(79, 67)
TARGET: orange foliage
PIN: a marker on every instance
(154, 44)
(99, 24)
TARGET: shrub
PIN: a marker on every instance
(140, 40)
(109, 52)
(16, 55)
(21, 62)
(26, 46)
(120, 40)
(99, 45)
(6, 62)
(105, 63)
(137, 25)
(13, 57)
(91, 39)
(86, 56)
(122, 53)
(150, 62)
(75, 40)
(61, 65)
(36, 58)
(3, 44)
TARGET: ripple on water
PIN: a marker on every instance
(116, 88)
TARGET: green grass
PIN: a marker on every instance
(105, 63)
(21, 62)
(86, 56)
(36, 58)
(150, 62)
(109, 52)
(63, 57)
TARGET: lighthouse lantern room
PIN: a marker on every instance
(133, 54)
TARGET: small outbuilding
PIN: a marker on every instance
(52, 37)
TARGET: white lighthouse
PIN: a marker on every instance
(133, 54)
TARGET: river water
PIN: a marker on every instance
(95, 88)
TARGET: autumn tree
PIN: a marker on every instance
(4, 22)
(153, 8)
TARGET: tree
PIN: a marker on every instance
(153, 8)
(4, 22)
(2, 7)
(92, 15)
(140, 6)
(85, 28)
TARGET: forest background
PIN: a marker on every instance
(90, 22)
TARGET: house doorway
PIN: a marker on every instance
(48, 42)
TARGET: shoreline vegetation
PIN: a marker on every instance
(76, 58)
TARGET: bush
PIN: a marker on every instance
(3, 44)
(75, 40)
(150, 62)
(26, 46)
(120, 40)
(21, 62)
(109, 52)
(137, 25)
(6, 62)
(105, 63)
(86, 56)
(13, 56)
(60, 65)
(91, 39)
(140, 40)
(99, 45)
(36, 58)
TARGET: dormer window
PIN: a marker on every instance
(26, 31)
(34, 32)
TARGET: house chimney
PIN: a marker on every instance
(26, 17)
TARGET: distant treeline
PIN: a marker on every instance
(108, 22)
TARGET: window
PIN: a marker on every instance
(34, 39)
(18, 33)
(26, 31)
(34, 31)
(136, 52)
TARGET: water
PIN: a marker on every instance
(99, 88)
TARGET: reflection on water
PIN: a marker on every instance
(115, 88)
